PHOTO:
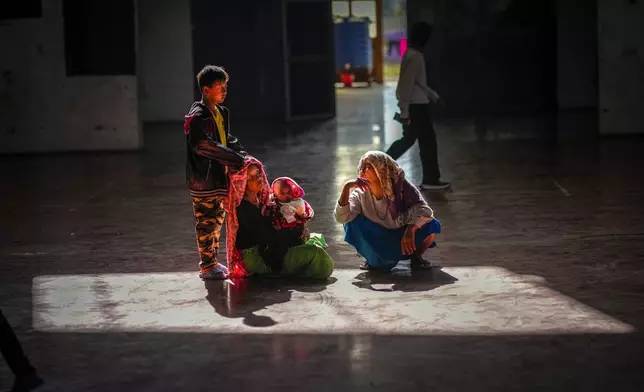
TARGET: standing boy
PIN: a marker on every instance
(211, 152)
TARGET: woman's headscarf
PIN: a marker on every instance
(296, 190)
(400, 193)
(236, 191)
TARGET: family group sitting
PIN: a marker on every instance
(385, 217)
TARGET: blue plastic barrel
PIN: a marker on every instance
(352, 43)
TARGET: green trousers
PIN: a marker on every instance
(306, 261)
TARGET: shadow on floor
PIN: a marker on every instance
(436, 197)
(404, 280)
(241, 298)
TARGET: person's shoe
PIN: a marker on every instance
(365, 267)
(27, 383)
(417, 262)
(218, 272)
(438, 186)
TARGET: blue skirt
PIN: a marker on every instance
(381, 246)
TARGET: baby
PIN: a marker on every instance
(288, 210)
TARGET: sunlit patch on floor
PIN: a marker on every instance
(479, 300)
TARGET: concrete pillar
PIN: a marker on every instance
(577, 54)
(378, 57)
(621, 66)
(42, 109)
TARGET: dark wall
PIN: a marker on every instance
(311, 71)
(246, 38)
(577, 81)
(491, 57)
(99, 37)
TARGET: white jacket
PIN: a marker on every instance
(412, 82)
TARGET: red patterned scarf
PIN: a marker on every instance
(296, 190)
(236, 191)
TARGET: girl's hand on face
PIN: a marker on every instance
(360, 183)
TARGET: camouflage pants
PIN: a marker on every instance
(209, 217)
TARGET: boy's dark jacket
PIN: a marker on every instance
(207, 157)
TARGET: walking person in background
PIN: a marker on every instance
(414, 100)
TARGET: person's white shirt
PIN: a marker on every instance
(412, 82)
(364, 203)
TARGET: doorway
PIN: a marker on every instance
(358, 42)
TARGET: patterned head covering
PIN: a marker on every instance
(236, 191)
(296, 190)
(400, 193)
(386, 168)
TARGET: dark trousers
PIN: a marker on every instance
(12, 350)
(420, 128)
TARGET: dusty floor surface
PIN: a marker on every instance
(542, 285)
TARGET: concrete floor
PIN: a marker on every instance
(542, 285)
